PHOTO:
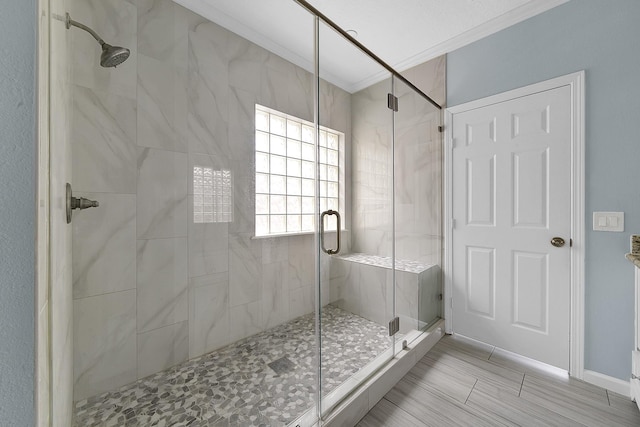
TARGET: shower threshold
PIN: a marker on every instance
(268, 379)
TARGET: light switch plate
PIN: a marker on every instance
(608, 221)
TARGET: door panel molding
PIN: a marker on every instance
(576, 83)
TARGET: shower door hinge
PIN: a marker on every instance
(392, 102)
(394, 326)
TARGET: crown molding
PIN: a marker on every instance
(526, 11)
(492, 26)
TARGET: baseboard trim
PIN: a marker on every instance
(610, 383)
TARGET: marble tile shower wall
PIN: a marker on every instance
(418, 159)
(152, 288)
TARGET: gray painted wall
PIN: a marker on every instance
(17, 211)
(600, 38)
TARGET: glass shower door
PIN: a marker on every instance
(355, 185)
(417, 200)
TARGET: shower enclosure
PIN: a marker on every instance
(269, 222)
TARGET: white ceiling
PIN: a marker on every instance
(403, 33)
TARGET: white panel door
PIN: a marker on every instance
(511, 196)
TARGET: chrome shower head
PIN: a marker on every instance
(112, 56)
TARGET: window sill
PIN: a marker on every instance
(304, 233)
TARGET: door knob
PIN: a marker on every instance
(558, 242)
(75, 203)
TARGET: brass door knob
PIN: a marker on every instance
(558, 242)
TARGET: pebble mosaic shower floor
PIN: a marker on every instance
(264, 380)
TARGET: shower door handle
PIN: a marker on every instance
(338, 231)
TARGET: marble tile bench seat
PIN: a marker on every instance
(361, 284)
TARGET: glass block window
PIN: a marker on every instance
(286, 172)
(212, 195)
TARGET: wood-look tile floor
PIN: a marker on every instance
(465, 383)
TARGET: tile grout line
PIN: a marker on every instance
(385, 398)
(471, 391)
